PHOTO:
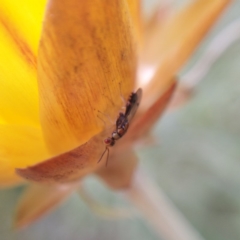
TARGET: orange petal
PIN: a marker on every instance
(37, 200)
(86, 62)
(69, 166)
(120, 169)
(137, 18)
(179, 39)
(83, 160)
(20, 146)
(153, 28)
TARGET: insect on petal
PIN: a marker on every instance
(145, 122)
(86, 62)
(75, 164)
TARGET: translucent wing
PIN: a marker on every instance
(133, 104)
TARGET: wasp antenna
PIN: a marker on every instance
(107, 156)
(103, 154)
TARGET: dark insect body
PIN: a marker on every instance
(123, 120)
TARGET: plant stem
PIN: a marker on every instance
(159, 211)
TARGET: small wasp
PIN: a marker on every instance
(123, 120)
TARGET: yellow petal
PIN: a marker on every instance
(37, 200)
(179, 39)
(2, 121)
(20, 146)
(18, 92)
(20, 27)
(26, 18)
(86, 62)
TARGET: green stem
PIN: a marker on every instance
(159, 211)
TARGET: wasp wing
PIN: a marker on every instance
(133, 104)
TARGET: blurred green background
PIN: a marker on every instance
(196, 163)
